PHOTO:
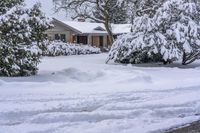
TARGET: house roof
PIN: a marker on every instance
(86, 27)
(121, 28)
(90, 28)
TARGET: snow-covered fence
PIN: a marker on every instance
(57, 48)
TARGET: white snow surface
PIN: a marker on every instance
(121, 28)
(90, 27)
(86, 27)
(82, 94)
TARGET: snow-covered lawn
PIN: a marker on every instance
(81, 94)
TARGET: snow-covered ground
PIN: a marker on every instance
(81, 94)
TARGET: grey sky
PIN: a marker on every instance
(48, 8)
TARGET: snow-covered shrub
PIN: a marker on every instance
(180, 19)
(22, 60)
(173, 33)
(58, 48)
(18, 55)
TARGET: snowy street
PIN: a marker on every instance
(82, 94)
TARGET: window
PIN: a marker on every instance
(60, 37)
(82, 39)
(57, 37)
(63, 37)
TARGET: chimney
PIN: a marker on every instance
(81, 19)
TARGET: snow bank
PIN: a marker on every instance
(76, 75)
(77, 94)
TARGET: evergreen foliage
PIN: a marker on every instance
(172, 34)
(8, 4)
(19, 28)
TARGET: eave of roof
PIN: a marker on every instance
(73, 29)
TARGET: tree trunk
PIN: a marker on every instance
(190, 58)
(184, 59)
(168, 61)
(110, 34)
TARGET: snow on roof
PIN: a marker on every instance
(86, 27)
(89, 27)
(121, 28)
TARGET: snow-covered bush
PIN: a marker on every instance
(19, 27)
(137, 48)
(22, 60)
(172, 33)
(57, 48)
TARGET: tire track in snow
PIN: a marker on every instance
(99, 108)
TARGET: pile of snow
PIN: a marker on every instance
(81, 94)
(57, 48)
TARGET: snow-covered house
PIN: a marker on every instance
(84, 32)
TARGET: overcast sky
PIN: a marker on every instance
(48, 8)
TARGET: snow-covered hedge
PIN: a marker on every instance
(57, 48)
(173, 33)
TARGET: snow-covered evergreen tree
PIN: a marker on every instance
(172, 34)
(147, 7)
(179, 21)
(38, 23)
(8, 4)
(138, 8)
(17, 55)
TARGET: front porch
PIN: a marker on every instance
(94, 40)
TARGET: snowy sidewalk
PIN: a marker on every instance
(81, 94)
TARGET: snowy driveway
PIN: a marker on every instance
(81, 94)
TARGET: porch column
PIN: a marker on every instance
(105, 42)
(89, 39)
(71, 38)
